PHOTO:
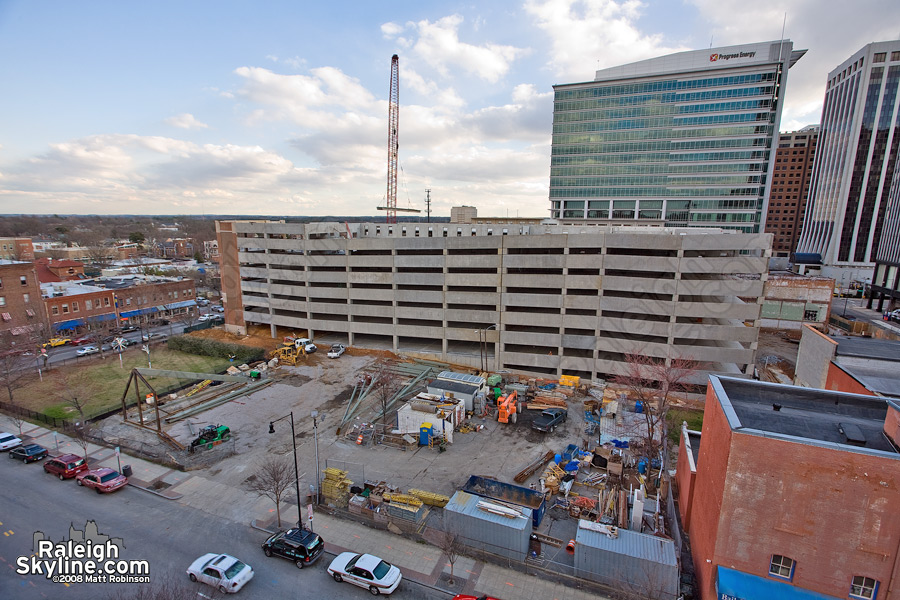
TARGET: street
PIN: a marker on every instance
(168, 535)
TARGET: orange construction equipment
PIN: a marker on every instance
(508, 407)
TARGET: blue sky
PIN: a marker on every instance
(280, 108)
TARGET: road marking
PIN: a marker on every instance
(8, 533)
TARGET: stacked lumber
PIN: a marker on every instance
(430, 498)
(336, 487)
(548, 402)
(404, 499)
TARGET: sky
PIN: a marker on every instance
(280, 107)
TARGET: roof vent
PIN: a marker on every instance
(776, 407)
(853, 435)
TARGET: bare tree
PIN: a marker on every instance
(273, 480)
(385, 387)
(16, 356)
(452, 547)
(655, 382)
(74, 398)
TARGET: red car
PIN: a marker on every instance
(65, 466)
(467, 597)
(85, 339)
(102, 480)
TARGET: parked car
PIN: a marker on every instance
(8, 441)
(85, 339)
(129, 328)
(468, 597)
(202, 302)
(222, 571)
(54, 342)
(87, 350)
(29, 453)
(310, 348)
(366, 571)
(152, 336)
(549, 419)
(336, 350)
(65, 466)
(299, 545)
(102, 480)
(217, 308)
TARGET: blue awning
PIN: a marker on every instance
(140, 311)
(183, 304)
(103, 317)
(70, 324)
(735, 585)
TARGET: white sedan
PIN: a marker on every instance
(366, 571)
(336, 350)
(87, 350)
(8, 441)
(222, 571)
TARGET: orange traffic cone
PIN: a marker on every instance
(359, 440)
(570, 547)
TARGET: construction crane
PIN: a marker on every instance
(393, 143)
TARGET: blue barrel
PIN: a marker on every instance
(642, 466)
(557, 459)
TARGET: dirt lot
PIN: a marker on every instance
(777, 355)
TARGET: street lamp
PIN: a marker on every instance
(482, 344)
(315, 416)
(296, 471)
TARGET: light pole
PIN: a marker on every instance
(296, 470)
(315, 417)
(483, 345)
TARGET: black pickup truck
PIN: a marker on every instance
(549, 419)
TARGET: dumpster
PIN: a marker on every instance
(506, 492)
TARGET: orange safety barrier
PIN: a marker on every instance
(570, 547)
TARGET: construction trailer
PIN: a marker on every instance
(640, 563)
(444, 414)
(489, 527)
(510, 494)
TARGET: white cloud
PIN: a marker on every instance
(440, 47)
(589, 34)
(186, 121)
(391, 30)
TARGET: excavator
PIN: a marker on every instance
(290, 354)
(507, 407)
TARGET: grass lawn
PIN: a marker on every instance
(99, 383)
(676, 416)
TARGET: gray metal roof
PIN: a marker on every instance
(807, 413)
(453, 386)
(630, 543)
(467, 504)
(883, 350)
(464, 377)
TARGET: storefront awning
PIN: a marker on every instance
(735, 585)
(183, 304)
(103, 317)
(140, 311)
(70, 324)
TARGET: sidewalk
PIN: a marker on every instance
(419, 562)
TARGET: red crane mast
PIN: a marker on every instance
(393, 139)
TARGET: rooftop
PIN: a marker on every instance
(849, 422)
(872, 362)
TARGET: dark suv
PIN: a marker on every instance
(66, 466)
(299, 545)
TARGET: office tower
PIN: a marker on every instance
(679, 140)
(855, 162)
(790, 188)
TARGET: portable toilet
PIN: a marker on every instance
(425, 433)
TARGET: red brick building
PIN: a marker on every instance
(52, 271)
(16, 248)
(795, 493)
(140, 302)
(22, 313)
(790, 188)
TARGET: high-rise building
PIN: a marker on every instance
(790, 188)
(679, 140)
(886, 280)
(855, 160)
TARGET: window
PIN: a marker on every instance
(23, 280)
(863, 587)
(26, 298)
(54, 310)
(782, 566)
(74, 307)
(29, 312)
(2, 300)
(127, 301)
(65, 308)
(1, 282)
(879, 57)
(106, 301)
(88, 305)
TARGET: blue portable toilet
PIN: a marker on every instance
(426, 430)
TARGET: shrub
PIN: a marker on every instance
(214, 348)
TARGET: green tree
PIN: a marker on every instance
(136, 237)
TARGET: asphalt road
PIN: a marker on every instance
(167, 535)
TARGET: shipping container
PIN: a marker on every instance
(481, 529)
(507, 492)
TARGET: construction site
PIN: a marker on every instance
(417, 446)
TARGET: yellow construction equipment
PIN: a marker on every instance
(289, 355)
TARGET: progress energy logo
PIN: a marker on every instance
(85, 557)
(716, 56)
(713, 57)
